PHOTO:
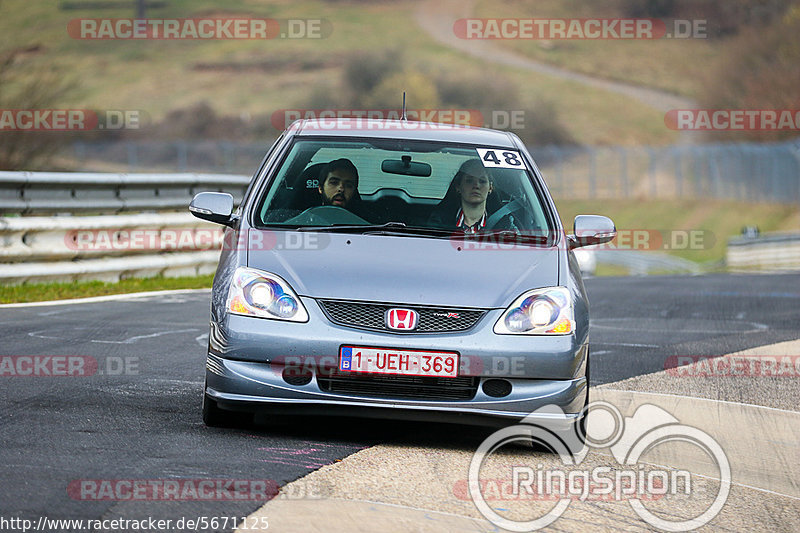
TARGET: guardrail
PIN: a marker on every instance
(32, 193)
(102, 246)
(642, 263)
(65, 248)
(771, 252)
(108, 248)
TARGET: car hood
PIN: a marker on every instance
(405, 269)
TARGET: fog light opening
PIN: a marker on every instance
(296, 376)
(497, 388)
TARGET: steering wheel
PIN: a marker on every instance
(513, 206)
(326, 215)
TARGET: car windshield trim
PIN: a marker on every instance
(521, 238)
(400, 228)
(414, 201)
(380, 229)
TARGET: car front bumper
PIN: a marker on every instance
(248, 358)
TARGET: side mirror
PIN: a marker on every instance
(591, 229)
(215, 207)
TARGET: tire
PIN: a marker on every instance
(213, 416)
(574, 437)
(584, 418)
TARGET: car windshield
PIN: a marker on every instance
(404, 187)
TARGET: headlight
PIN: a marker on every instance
(539, 312)
(257, 293)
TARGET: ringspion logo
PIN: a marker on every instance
(631, 478)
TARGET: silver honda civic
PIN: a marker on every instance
(397, 269)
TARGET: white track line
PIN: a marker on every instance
(106, 298)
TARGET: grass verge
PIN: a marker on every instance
(611, 270)
(40, 292)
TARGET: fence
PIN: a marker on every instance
(752, 172)
(162, 156)
(745, 171)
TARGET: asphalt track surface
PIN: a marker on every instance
(143, 422)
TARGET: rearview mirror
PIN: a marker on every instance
(215, 207)
(591, 229)
(406, 167)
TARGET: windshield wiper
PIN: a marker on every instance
(353, 227)
(400, 228)
(509, 235)
(411, 230)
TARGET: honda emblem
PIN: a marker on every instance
(401, 319)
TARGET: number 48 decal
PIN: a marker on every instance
(500, 159)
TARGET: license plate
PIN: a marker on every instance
(398, 362)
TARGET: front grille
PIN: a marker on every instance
(399, 387)
(371, 316)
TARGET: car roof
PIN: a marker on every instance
(400, 129)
